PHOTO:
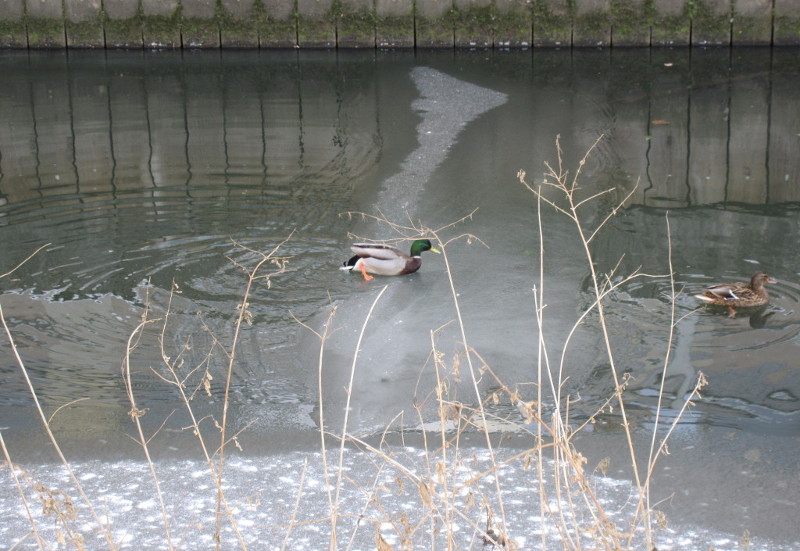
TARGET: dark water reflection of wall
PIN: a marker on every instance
(112, 122)
(701, 126)
(697, 126)
(115, 151)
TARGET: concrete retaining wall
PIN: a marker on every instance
(395, 23)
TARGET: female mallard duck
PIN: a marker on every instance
(739, 295)
(386, 260)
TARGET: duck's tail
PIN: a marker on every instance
(704, 298)
(350, 264)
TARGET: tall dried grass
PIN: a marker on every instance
(568, 505)
(568, 511)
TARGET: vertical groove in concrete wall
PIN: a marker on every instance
(277, 28)
(396, 23)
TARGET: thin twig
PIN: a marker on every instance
(13, 470)
(251, 279)
(53, 441)
(296, 504)
(18, 266)
(323, 338)
(135, 414)
(349, 390)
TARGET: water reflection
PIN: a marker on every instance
(697, 126)
(749, 361)
(140, 167)
(149, 163)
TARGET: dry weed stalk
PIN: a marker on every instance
(568, 503)
(13, 468)
(254, 276)
(323, 338)
(178, 375)
(435, 490)
(135, 413)
(438, 487)
(57, 504)
(558, 178)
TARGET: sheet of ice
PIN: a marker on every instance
(277, 500)
(446, 105)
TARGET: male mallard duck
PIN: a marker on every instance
(739, 295)
(386, 260)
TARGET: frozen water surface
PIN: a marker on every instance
(278, 499)
(136, 187)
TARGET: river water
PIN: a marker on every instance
(142, 173)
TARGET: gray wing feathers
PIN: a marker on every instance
(723, 291)
(381, 252)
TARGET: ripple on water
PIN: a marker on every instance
(71, 349)
(76, 303)
(749, 361)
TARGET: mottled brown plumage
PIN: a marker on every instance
(739, 294)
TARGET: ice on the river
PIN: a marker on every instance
(285, 502)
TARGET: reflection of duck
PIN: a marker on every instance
(760, 317)
(386, 260)
(739, 295)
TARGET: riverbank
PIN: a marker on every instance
(395, 23)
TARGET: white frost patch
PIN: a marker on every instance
(147, 504)
(262, 501)
(124, 538)
(442, 121)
